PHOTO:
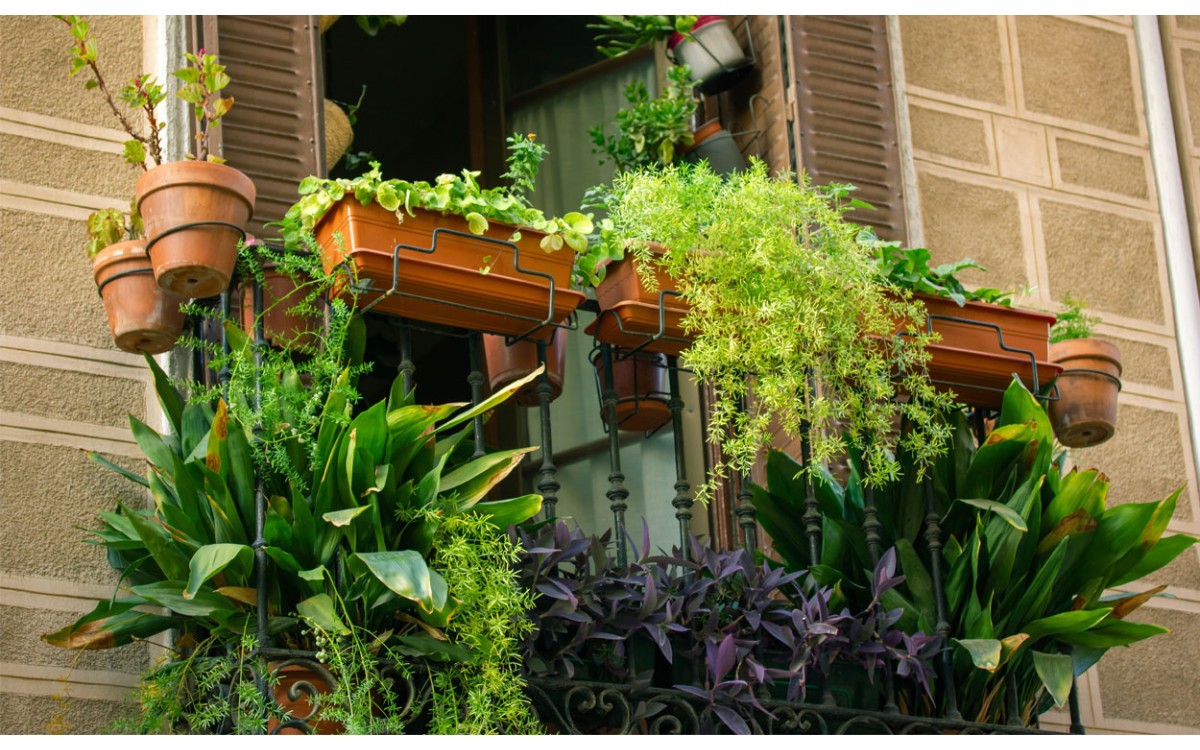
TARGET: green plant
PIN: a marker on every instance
(792, 325)
(108, 226)
(1073, 323)
(908, 268)
(203, 79)
(484, 695)
(619, 35)
(1030, 552)
(649, 130)
(372, 25)
(460, 195)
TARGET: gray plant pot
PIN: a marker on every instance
(720, 150)
(715, 57)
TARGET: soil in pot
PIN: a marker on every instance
(642, 391)
(1085, 413)
(142, 317)
(508, 363)
(197, 261)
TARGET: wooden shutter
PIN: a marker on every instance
(275, 131)
(845, 112)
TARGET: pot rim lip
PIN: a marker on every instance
(701, 22)
(125, 250)
(192, 172)
(1091, 347)
(1024, 312)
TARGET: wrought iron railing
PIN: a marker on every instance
(575, 706)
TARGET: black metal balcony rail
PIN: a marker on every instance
(578, 707)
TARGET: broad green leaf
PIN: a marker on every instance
(171, 400)
(917, 579)
(1124, 605)
(320, 611)
(1010, 516)
(1035, 598)
(1076, 522)
(984, 652)
(515, 510)
(162, 548)
(472, 481)
(151, 443)
(211, 559)
(1112, 633)
(102, 461)
(1076, 493)
(1151, 533)
(111, 624)
(168, 594)
(1161, 554)
(444, 605)
(1055, 671)
(1066, 622)
(342, 518)
(404, 572)
(490, 402)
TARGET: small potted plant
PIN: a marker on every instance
(1085, 412)
(704, 43)
(194, 211)
(142, 317)
(443, 252)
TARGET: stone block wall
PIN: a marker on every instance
(1031, 155)
(64, 387)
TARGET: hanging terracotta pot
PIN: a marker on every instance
(280, 327)
(715, 144)
(446, 286)
(142, 317)
(630, 312)
(1085, 413)
(640, 382)
(197, 261)
(509, 363)
(713, 53)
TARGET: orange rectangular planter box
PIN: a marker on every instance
(438, 286)
(970, 359)
(630, 313)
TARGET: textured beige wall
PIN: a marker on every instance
(1030, 151)
(64, 388)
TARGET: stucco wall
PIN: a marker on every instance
(64, 388)
(1031, 155)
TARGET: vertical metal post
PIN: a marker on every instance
(223, 375)
(1011, 705)
(933, 536)
(871, 528)
(683, 497)
(475, 378)
(617, 494)
(1073, 703)
(407, 368)
(547, 485)
(259, 545)
(812, 510)
(747, 519)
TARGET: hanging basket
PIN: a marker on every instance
(339, 134)
(1085, 413)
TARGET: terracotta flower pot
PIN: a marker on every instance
(506, 364)
(642, 391)
(1085, 413)
(438, 287)
(280, 327)
(198, 261)
(714, 55)
(142, 317)
(298, 684)
(630, 312)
